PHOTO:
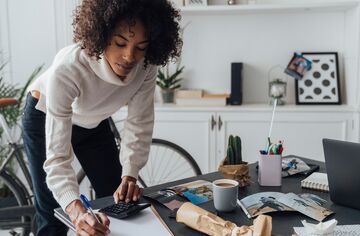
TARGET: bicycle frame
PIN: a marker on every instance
(26, 208)
(15, 151)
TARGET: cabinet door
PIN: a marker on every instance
(190, 130)
(302, 133)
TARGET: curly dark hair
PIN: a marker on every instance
(95, 20)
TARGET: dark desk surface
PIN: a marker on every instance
(283, 222)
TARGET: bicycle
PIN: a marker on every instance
(17, 210)
(167, 161)
(16, 204)
(16, 207)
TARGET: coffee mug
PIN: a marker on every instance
(225, 193)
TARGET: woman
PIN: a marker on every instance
(118, 44)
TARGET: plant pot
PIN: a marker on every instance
(239, 172)
(167, 95)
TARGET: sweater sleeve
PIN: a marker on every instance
(61, 178)
(138, 127)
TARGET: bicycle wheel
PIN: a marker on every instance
(11, 198)
(167, 162)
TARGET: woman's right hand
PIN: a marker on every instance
(85, 223)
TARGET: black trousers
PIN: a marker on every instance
(98, 155)
(95, 149)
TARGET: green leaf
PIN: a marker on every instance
(9, 90)
(167, 80)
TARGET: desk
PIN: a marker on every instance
(283, 222)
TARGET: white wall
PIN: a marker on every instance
(212, 42)
(33, 31)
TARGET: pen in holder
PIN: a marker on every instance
(269, 170)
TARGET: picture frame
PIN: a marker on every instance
(190, 3)
(321, 84)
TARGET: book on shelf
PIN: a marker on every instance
(196, 192)
(205, 100)
(308, 204)
(189, 93)
(316, 181)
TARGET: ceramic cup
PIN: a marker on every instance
(225, 193)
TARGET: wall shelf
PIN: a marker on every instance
(257, 108)
(269, 8)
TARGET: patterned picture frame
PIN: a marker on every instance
(321, 84)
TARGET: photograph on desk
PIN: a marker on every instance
(309, 204)
(196, 192)
(292, 165)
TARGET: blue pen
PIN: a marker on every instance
(86, 204)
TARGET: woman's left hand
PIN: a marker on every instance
(128, 190)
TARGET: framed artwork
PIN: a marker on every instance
(321, 84)
(195, 3)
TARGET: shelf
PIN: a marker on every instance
(270, 8)
(257, 108)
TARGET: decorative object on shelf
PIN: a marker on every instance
(236, 84)
(277, 84)
(169, 82)
(231, 2)
(205, 99)
(298, 66)
(233, 167)
(195, 2)
(321, 85)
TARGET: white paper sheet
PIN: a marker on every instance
(340, 230)
(143, 223)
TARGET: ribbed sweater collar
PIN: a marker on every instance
(103, 70)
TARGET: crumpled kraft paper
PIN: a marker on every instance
(210, 224)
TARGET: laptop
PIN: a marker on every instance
(342, 160)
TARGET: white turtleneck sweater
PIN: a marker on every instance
(77, 89)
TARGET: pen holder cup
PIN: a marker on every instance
(239, 172)
(269, 170)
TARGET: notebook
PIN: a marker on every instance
(148, 220)
(316, 181)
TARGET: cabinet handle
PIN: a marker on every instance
(220, 123)
(213, 122)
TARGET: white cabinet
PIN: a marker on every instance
(302, 132)
(192, 130)
(203, 132)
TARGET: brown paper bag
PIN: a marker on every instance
(240, 172)
(210, 224)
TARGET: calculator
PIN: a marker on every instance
(122, 210)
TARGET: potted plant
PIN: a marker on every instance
(169, 82)
(9, 90)
(233, 167)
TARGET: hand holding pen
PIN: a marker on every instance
(85, 220)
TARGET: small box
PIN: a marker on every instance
(270, 170)
(189, 93)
